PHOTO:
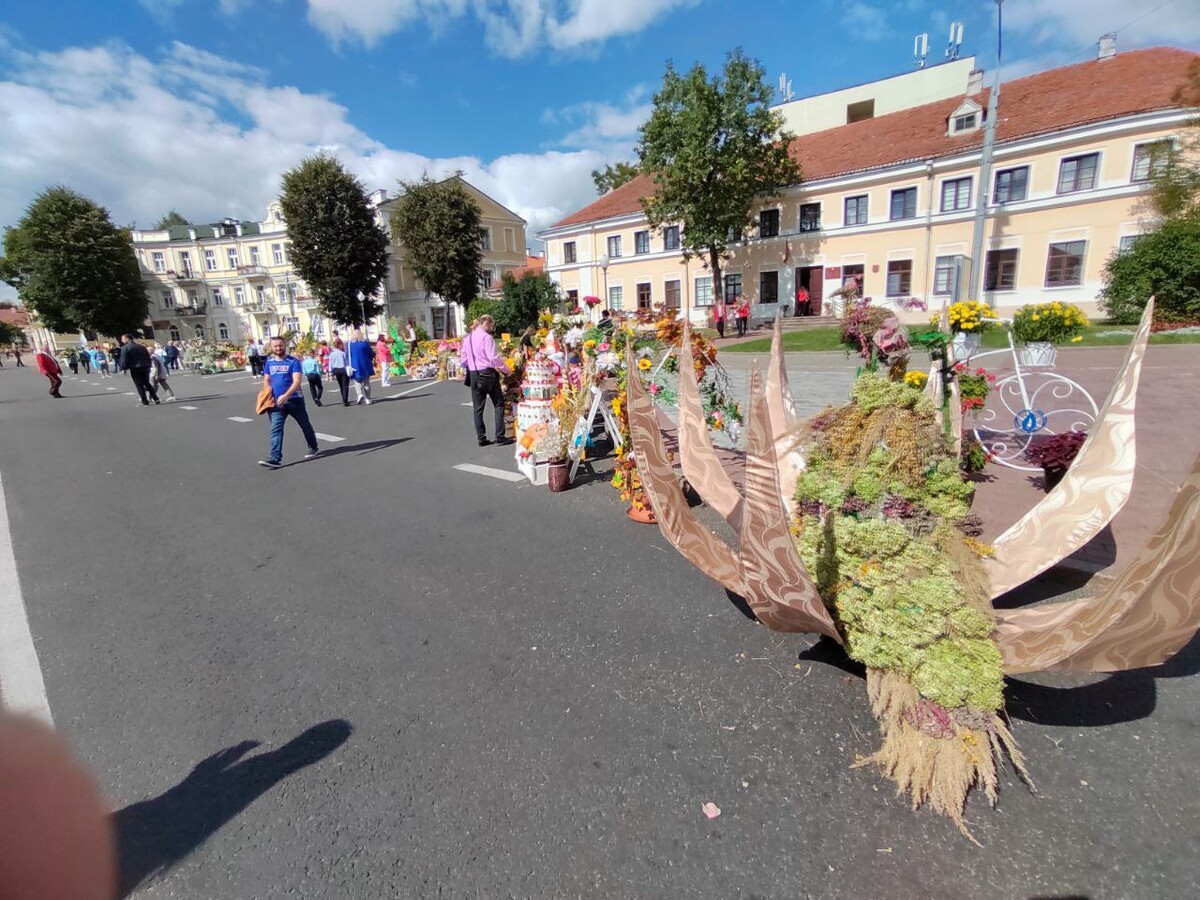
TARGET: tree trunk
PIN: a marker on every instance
(714, 263)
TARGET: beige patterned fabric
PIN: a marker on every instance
(700, 464)
(778, 588)
(697, 544)
(784, 433)
(1095, 487)
(1148, 614)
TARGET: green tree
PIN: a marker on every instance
(336, 245)
(9, 334)
(522, 299)
(612, 177)
(1164, 263)
(173, 219)
(714, 147)
(73, 267)
(439, 224)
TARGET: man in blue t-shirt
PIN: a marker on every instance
(282, 372)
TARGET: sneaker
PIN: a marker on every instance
(368, 399)
(312, 453)
(171, 399)
(359, 401)
(484, 442)
(270, 464)
(156, 403)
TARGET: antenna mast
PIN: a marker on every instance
(956, 39)
(921, 49)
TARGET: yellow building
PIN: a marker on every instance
(503, 251)
(888, 201)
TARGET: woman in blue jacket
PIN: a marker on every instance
(362, 361)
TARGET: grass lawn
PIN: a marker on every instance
(827, 339)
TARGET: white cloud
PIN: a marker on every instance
(605, 127)
(211, 138)
(514, 27)
(866, 21)
(1076, 23)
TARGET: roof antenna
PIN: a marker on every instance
(785, 88)
(921, 49)
(956, 39)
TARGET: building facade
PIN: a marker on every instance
(504, 250)
(888, 202)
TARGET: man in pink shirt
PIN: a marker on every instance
(483, 364)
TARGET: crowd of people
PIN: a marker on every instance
(149, 367)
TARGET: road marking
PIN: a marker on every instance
(22, 689)
(411, 390)
(189, 407)
(502, 474)
(332, 438)
(110, 389)
(130, 394)
(468, 403)
(239, 419)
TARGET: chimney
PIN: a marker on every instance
(1108, 45)
(974, 82)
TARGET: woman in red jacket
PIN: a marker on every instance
(49, 367)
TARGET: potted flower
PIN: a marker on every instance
(591, 301)
(1055, 455)
(1042, 327)
(974, 385)
(969, 319)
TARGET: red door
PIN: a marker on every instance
(816, 289)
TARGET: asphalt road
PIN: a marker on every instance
(462, 687)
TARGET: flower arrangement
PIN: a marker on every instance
(591, 301)
(969, 316)
(916, 379)
(876, 335)
(1058, 452)
(974, 385)
(1054, 323)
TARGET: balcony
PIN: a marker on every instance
(198, 308)
(186, 276)
(265, 307)
(254, 273)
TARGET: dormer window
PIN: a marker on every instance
(965, 123)
(966, 118)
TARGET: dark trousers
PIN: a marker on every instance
(141, 381)
(484, 386)
(87, 365)
(315, 388)
(741, 325)
(343, 381)
(256, 365)
(74, 367)
(55, 384)
(720, 328)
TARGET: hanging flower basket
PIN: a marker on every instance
(591, 301)
(1039, 354)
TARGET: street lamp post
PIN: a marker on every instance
(985, 167)
(604, 261)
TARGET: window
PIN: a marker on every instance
(1000, 270)
(616, 297)
(223, 331)
(485, 238)
(254, 255)
(291, 323)
(863, 109)
(904, 203)
(1127, 242)
(287, 253)
(210, 260)
(160, 264)
(967, 122)
(277, 254)
(943, 275)
(956, 194)
(899, 278)
(572, 299)
(810, 216)
(733, 288)
(1149, 160)
(231, 252)
(261, 296)
(217, 299)
(1064, 264)
(853, 275)
(641, 242)
(185, 262)
(239, 296)
(485, 279)
(569, 252)
(856, 210)
(175, 333)
(704, 294)
(643, 296)
(1078, 173)
(1012, 185)
(192, 300)
(672, 293)
(768, 287)
(671, 237)
(168, 299)
(614, 247)
(199, 332)
(768, 223)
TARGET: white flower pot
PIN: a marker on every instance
(1039, 354)
(965, 344)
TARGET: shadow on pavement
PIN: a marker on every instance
(392, 399)
(155, 835)
(360, 449)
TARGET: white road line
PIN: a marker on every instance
(468, 403)
(22, 689)
(502, 474)
(411, 390)
(130, 393)
(332, 438)
(239, 419)
(189, 407)
(110, 389)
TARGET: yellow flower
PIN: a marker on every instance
(1077, 339)
(916, 379)
(644, 364)
(1036, 317)
(590, 343)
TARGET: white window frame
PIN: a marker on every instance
(277, 254)
(616, 292)
(1010, 199)
(222, 332)
(185, 262)
(231, 254)
(485, 238)
(168, 299)
(613, 243)
(159, 260)
(254, 254)
(706, 282)
(210, 260)
(217, 299)
(866, 211)
(961, 199)
(1075, 189)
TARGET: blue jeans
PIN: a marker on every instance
(296, 409)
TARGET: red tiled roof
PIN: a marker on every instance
(15, 316)
(1136, 81)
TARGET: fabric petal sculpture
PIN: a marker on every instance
(782, 409)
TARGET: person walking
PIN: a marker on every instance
(49, 367)
(362, 362)
(483, 364)
(803, 302)
(253, 358)
(85, 360)
(135, 359)
(323, 356)
(72, 361)
(17, 353)
(719, 317)
(171, 356)
(338, 363)
(159, 374)
(282, 372)
(743, 317)
(383, 353)
(100, 362)
(410, 336)
(310, 366)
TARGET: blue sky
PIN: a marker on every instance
(199, 105)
